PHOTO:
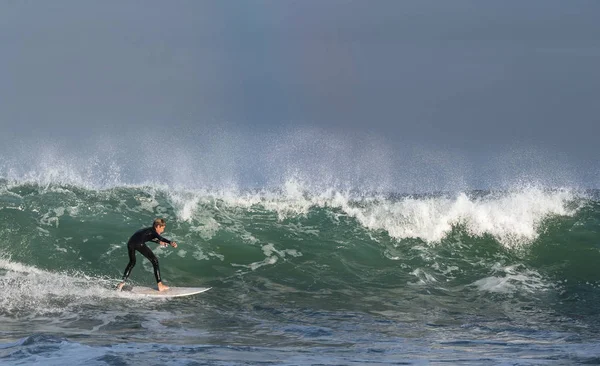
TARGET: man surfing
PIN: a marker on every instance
(138, 242)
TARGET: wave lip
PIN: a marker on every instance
(512, 217)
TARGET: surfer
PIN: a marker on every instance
(138, 242)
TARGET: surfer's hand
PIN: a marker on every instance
(173, 244)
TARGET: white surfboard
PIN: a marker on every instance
(171, 292)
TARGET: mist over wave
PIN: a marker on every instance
(235, 158)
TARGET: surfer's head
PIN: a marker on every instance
(159, 225)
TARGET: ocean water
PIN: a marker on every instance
(300, 276)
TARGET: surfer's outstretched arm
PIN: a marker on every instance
(164, 241)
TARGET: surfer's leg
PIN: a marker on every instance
(131, 264)
(147, 252)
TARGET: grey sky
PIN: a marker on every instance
(481, 80)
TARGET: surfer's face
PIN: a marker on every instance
(159, 229)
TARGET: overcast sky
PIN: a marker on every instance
(480, 79)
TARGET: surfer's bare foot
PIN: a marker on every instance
(162, 287)
(120, 286)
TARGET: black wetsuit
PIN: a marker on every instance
(138, 242)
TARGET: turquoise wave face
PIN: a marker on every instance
(525, 245)
(309, 241)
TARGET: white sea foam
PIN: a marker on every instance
(272, 256)
(511, 279)
(513, 217)
(32, 291)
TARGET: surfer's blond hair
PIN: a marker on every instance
(159, 222)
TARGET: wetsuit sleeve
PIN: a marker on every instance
(158, 238)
